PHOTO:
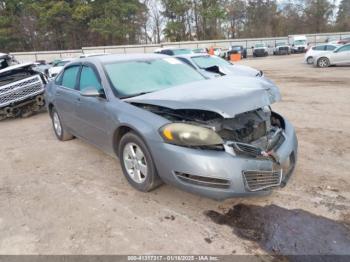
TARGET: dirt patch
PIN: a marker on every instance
(280, 231)
(315, 81)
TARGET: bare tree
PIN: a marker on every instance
(156, 19)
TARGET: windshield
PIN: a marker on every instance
(299, 42)
(182, 51)
(131, 78)
(238, 48)
(61, 63)
(209, 61)
(259, 45)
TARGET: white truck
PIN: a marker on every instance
(298, 43)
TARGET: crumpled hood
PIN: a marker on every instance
(227, 96)
(9, 68)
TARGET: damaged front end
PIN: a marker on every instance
(21, 91)
(254, 135)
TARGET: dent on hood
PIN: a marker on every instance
(227, 96)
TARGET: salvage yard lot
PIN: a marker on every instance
(70, 198)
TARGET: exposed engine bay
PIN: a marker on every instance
(252, 133)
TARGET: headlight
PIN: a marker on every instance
(189, 135)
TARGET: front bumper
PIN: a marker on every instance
(300, 49)
(260, 52)
(282, 51)
(220, 174)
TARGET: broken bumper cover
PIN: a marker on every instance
(220, 175)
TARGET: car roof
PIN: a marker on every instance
(327, 44)
(63, 60)
(92, 54)
(188, 56)
(171, 48)
(120, 57)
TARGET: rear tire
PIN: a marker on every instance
(310, 60)
(137, 163)
(323, 62)
(60, 130)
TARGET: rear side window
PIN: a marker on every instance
(330, 47)
(69, 77)
(320, 48)
(89, 79)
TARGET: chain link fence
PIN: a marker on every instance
(248, 43)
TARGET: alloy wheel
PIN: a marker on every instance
(323, 62)
(57, 124)
(135, 162)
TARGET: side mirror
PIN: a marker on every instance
(252, 47)
(92, 92)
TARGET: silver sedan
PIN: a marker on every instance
(167, 123)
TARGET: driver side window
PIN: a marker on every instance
(89, 79)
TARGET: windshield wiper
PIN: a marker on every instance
(138, 94)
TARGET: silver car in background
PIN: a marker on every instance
(317, 51)
(339, 56)
(213, 66)
(168, 123)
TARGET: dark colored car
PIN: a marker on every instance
(173, 51)
(237, 49)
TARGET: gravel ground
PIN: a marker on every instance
(70, 198)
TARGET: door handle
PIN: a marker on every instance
(77, 100)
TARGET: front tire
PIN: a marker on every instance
(323, 62)
(137, 163)
(60, 130)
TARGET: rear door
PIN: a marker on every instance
(319, 49)
(67, 96)
(91, 111)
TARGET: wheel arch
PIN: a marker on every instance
(50, 106)
(119, 132)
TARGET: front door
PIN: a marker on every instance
(67, 96)
(342, 55)
(91, 111)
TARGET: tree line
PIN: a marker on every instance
(29, 25)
